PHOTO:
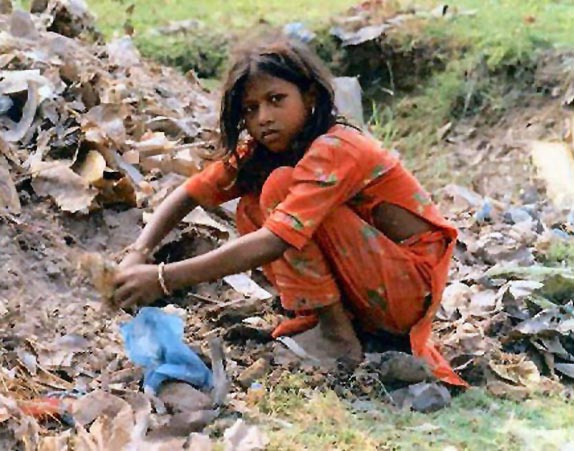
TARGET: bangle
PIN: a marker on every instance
(161, 279)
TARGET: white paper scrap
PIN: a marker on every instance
(243, 284)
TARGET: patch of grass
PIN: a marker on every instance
(560, 253)
(201, 50)
(474, 421)
(203, 47)
(218, 15)
(489, 61)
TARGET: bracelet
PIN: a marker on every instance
(161, 279)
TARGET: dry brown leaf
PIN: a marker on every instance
(456, 296)
(241, 437)
(60, 442)
(485, 303)
(123, 53)
(96, 404)
(105, 122)
(113, 191)
(516, 369)
(199, 442)
(9, 199)
(101, 272)
(69, 190)
(93, 167)
(21, 128)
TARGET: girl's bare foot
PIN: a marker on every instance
(333, 338)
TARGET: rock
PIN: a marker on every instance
(182, 397)
(256, 371)
(423, 397)
(183, 424)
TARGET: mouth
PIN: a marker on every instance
(269, 135)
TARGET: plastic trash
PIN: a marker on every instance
(560, 234)
(296, 30)
(516, 215)
(154, 340)
(348, 99)
(485, 212)
(5, 104)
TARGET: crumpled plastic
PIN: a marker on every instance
(154, 341)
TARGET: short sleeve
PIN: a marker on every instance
(213, 186)
(326, 177)
(216, 185)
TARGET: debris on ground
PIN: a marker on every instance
(92, 138)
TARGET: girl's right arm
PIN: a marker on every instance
(168, 214)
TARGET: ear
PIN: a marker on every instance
(310, 97)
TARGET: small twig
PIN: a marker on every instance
(207, 300)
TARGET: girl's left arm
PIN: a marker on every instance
(140, 284)
(247, 252)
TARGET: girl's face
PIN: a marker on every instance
(275, 111)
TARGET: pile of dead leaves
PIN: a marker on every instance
(84, 120)
(506, 318)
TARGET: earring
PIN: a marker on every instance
(312, 110)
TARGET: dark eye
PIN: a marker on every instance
(276, 98)
(249, 109)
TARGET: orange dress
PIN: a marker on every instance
(323, 207)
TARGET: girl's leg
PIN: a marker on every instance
(384, 284)
(389, 286)
(249, 218)
(305, 282)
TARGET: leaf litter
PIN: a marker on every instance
(103, 135)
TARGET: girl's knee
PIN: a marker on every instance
(248, 216)
(275, 188)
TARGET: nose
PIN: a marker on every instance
(264, 117)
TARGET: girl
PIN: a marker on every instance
(341, 228)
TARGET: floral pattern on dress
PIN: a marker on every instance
(371, 237)
(377, 297)
(327, 180)
(423, 201)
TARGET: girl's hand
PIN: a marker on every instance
(132, 258)
(137, 285)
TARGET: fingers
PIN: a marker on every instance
(121, 276)
(133, 300)
(122, 293)
(135, 285)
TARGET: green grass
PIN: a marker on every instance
(489, 61)
(205, 47)
(221, 15)
(474, 421)
(560, 253)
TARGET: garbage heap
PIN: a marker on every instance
(85, 120)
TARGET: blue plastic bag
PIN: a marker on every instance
(154, 341)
